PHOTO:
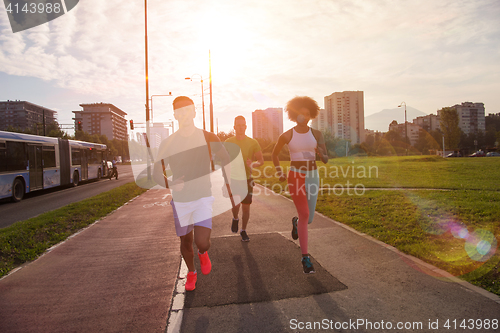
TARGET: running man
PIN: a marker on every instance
(303, 178)
(188, 154)
(252, 155)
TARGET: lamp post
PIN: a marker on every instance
(211, 104)
(406, 128)
(202, 97)
(169, 94)
(147, 82)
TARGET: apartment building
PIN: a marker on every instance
(267, 124)
(412, 128)
(345, 116)
(102, 119)
(24, 115)
(428, 123)
(320, 122)
(471, 117)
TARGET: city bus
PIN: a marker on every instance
(31, 162)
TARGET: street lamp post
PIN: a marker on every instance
(211, 104)
(147, 82)
(202, 96)
(406, 128)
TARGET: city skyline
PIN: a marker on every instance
(426, 53)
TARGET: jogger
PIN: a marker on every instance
(304, 144)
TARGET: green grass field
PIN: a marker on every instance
(443, 211)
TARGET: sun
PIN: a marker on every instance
(229, 40)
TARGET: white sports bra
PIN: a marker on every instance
(302, 146)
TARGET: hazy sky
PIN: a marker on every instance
(428, 53)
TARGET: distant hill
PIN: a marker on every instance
(380, 121)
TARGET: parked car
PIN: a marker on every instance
(454, 154)
(479, 153)
(492, 153)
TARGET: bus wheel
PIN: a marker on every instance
(98, 174)
(17, 190)
(75, 178)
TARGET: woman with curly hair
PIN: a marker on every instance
(303, 178)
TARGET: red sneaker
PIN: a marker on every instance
(191, 281)
(205, 263)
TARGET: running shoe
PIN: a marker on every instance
(307, 265)
(191, 281)
(234, 225)
(295, 234)
(205, 263)
(244, 236)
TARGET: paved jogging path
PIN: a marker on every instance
(119, 276)
(115, 276)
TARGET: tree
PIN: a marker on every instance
(492, 122)
(393, 137)
(11, 128)
(449, 126)
(426, 142)
(223, 136)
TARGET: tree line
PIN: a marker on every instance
(394, 143)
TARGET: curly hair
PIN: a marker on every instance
(300, 102)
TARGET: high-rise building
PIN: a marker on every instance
(102, 119)
(24, 115)
(345, 115)
(159, 132)
(267, 124)
(412, 128)
(320, 122)
(471, 117)
(428, 123)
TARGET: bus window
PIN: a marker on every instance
(49, 156)
(75, 157)
(93, 157)
(13, 157)
(3, 156)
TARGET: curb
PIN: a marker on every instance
(174, 319)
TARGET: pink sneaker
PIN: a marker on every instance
(191, 281)
(205, 263)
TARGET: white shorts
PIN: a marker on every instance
(187, 215)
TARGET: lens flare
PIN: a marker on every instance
(481, 245)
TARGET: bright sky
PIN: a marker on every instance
(428, 53)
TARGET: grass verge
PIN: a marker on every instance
(432, 226)
(24, 241)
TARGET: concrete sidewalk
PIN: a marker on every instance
(119, 276)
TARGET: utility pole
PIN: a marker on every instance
(147, 83)
(211, 105)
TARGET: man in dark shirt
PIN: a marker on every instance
(187, 152)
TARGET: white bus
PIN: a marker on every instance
(31, 162)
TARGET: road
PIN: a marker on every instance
(43, 201)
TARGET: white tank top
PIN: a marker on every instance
(302, 146)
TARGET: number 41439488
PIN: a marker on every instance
(33, 8)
